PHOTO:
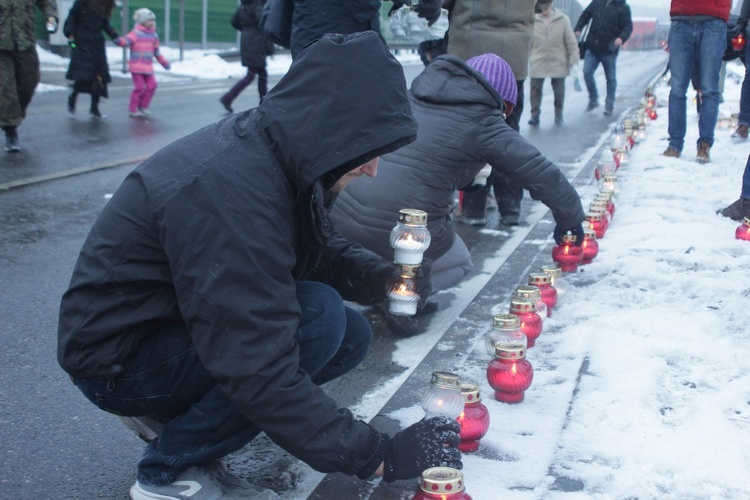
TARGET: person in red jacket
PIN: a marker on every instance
(698, 34)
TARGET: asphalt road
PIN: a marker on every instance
(54, 443)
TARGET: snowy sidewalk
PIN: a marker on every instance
(642, 375)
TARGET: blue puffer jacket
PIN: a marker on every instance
(610, 19)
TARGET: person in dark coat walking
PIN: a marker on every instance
(88, 56)
(462, 128)
(254, 48)
(611, 26)
(209, 293)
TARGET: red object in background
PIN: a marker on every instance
(743, 230)
(441, 483)
(543, 282)
(610, 205)
(510, 374)
(590, 246)
(567, 254)
(651, 113)
(738, 42)
(474, 419)
(531, 323)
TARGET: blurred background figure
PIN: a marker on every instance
(554, 51)
(88, 56)
(611, 26)
(254, 48)
(19, 62)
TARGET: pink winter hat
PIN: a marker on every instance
(498, 74)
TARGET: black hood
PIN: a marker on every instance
(342, 103)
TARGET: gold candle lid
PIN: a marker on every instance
(746, 221)
(595, 216)
(552, 269)
(528, 292)
(522, 305)
(569, 238)
(538, 279)
(446, 380)
(470, 392)
(412, 217)
(510, 351)
(589, 233)
(442, 481)
(506, 322)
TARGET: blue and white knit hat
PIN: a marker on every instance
(498, 74)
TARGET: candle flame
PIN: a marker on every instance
(514, 370)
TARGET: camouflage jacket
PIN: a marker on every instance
(17, 28)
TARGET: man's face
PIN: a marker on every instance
(369, 169)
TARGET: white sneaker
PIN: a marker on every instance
(205, 482)
(136, 114)
(144, 111)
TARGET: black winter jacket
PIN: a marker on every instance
(89, 57)
(313, 18)
(254, 47)
(461, 128)
(215, 229)
(610, 19)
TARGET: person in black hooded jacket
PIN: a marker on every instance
(208, 294)
(611, 26)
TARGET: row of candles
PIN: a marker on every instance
(509, 373)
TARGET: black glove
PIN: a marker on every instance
(576, 230)
(397, 4)
(429, 9)
(381, 276)
(738, 29)
(428, 443)
(423, 281)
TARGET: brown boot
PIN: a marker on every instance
(737, 210)
(741, 132)
(704, 149)
(671, 152)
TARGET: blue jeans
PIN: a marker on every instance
(700, 43)
(746, 181)
(609, 62)
(744, 118)
(166, 381)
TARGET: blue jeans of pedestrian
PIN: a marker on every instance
(746, 181)
(166, 381)
(744, 118)
(609, 62)
(700, 43)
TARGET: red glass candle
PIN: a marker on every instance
(441, 483)
(651, 113)
(558, 282)
(738, 42)
(608, 199)
(599, 205)
(603, 212)
(596, 222)
(743, 230)
(567, 254)
(544, 283)
(590, 246)
(474, 419)
(532, 293)
(510, 374)
(531, 323)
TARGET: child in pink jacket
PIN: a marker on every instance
(144, 46)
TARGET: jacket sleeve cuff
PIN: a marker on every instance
(377, 446)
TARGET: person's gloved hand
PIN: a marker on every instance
(397, 4)
(738, 29)
(380, 277)
(428, 443)
(423, 281)
(576, 230)
(429, 9)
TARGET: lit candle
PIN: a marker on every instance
(560, 283)
(544, 283)
(596, 221)
(443, 398)
(506, 330)
(474, 419)
(532, 293)
(590, 246)
(531, 323)
(410, 237)
(609, 199)
(441, 483)
(601, 211)
(743, 230)
(567, 254)
(403, 297)
(599, 205)
(510, 374)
